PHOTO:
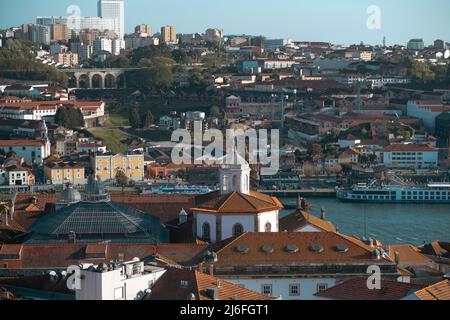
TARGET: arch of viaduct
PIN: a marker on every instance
(99, 78)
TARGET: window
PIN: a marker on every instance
(294, 290)
(321, 287)
(206, 232)
(238, 229)
(268, 227)
(235, 182)
(267, 289)
(225, 183)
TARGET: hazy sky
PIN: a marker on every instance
(338, 21)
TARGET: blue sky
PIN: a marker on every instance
(338, 21)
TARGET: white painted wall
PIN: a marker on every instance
(416, 159)
(201, 218)
(229, 221)
(105, 286)
(280, 287)
(268, 217)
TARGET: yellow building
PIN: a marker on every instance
(168, 34)
(61, 172)
(107, 166)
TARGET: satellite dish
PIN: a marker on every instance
(447, 54)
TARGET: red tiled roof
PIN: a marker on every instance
(236, 202)
(438, 291)
(178, 284)
(408, 254)
(21, 143)
(357, 289)
(410, 147)
(437, 248)
(357, 252)
(300, 219)
(47, 256)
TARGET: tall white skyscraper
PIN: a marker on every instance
(114, 9)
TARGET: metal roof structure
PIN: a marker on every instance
(97, 219)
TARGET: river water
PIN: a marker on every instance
(389, 223)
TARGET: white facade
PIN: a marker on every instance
(217, 226)
(262, 222)
(235, 178)
(427, 111)
(128, 282)
(18, 178)
(115, 10)
(345, 143)
(411, 158)
(31, 151)
(76, 24)
(286, 289)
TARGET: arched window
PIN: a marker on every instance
(225, 183)
(236, 185)
(238, 229)
(268, 227)
(206, 232)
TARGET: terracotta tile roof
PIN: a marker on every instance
(40, 283)
(410, 147)
(178, 284)
(21, 143)
(53, 104)
(48, 256)
(354, 251)
(428, 102)
(438, 291)
(437, 248)
(409, 255)
(300, 219)
(356, 289)
(236, 202)
(166, 207)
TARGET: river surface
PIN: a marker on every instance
(388, 223)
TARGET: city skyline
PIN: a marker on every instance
(400, 21)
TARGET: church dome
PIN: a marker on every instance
(70, 195)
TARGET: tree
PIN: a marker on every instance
(148, 120)
(332, 149)
(135, 118)
(70, 118)
(316, 149)
(422, 72)
(180, 56)
(121, 179)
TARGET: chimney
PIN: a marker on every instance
(213, 293)
(322, 214)
(200, 267)
(299, 203)
(211, 269)
(182, 217)
(5, 217)
(72, 237)
(11, 208)
(397, 257)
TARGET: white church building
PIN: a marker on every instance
(235, 209)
